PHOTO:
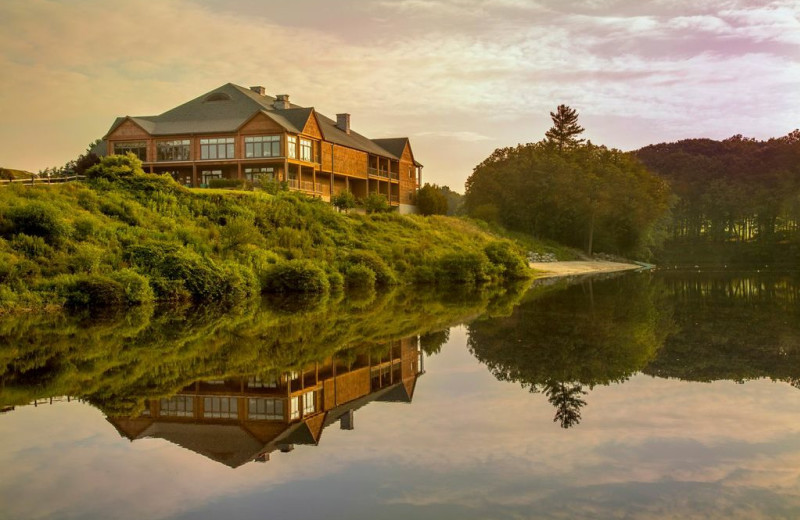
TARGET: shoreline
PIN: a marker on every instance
(578, 267)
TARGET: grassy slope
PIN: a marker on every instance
(90, 230)
(14, 174)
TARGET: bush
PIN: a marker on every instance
(463, 267)
(431, 201)
(226, 183)
(375, 203)
(295, 276)
(344, 201)
(115, 167)
(510, 263)
(359, 275)
(204, 280)
(31, 247)
(383, 273)
(137, 287)
(93, 291)
(241, 282)
(37, 220)
(85, 227)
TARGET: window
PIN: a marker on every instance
(255, 174)
(305, 150)
(220, 407)
(208, 175)
(137, 148)
(173, 150)
(291, 145)
(295, 409)
(218, 148)
(269, 409)
(178, 406)
(262, 146)
(308, 403)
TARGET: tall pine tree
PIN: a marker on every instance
(565, 128)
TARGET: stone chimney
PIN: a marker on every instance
(281, 102)
(343, 122)
(261, 91)
(346, 421)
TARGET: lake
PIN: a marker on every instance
(643, 395)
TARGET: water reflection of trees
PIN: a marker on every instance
(692, 326)
(561, 342)
(731, 326)
(120, 360)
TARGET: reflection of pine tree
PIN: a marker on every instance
(566, 398)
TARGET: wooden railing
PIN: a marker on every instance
(42, 180)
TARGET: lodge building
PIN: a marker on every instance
(234, 132)
(238, 420)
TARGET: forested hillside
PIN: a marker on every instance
(736, 199)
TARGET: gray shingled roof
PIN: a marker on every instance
(203, 116)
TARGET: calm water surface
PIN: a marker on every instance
(638, 396)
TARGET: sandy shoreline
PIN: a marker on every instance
(552, 269)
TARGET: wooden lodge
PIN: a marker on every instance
(237, 133)
(235, 421)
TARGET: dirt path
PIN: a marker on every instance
(551, 269)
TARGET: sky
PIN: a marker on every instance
(458, 77)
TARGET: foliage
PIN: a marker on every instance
(375, 203)
(563, 134)
(586, 196)
(209, 245)
(376, 264)
(739, 192)
(34, 219)
(115, 167)
(295, 276)
(225, 183)
(344, 201)
(431, 200)
(359, 275)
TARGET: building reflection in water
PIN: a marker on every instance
(238, 420)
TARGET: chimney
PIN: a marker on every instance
(261, 91)
(281, 102)
(343, 122)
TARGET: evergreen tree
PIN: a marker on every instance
(565, 128)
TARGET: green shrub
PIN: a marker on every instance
(204, 280)
(241, 281)
(344, 201)
(226, 183)
(383, 273)
(94, 291)
(463, 267)
(37, 220)
(375, 203)
(85, 228)
(137, 287)
(335, 278)
(359, 275)
(31, 247)
(115, 167)
(511, 264)
(86, 258)
(295, 276)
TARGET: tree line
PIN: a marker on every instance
(736, 190)
(572, 191)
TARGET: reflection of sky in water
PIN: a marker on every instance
(468, 447)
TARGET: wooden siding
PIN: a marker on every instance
(261, 124)
(312, 128)
(408, 176)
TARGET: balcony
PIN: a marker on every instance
(375, 172)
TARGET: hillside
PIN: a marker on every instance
(11, 174)
(125, 237)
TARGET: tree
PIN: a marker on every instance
(343, 201)
(565, 128)
(431, 200)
